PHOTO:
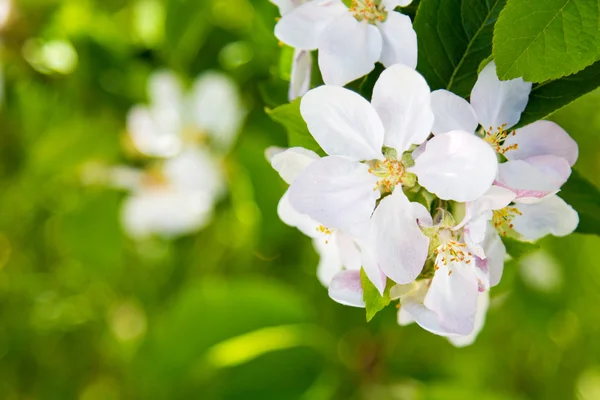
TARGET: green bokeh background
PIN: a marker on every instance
(234, 311)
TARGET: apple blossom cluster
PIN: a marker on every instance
(416, 188)
(183, 138)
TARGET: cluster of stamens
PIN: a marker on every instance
(325, 231)
(390, 172)
(371, 11)
(503, 218)
(451, 252)
(496, 138)
(154, 178)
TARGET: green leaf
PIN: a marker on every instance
(584, 197)
(289, 116)
(455, 36)
(546, 39)
(186, 29)
(546, 98)
(374, 302)
(517, 249)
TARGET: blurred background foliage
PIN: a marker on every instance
(234, 311)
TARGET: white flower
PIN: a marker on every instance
(450, 303)
(350, 40)
(302, 60)
(341, 190)
(539, 155)
(174, 199)
(5, 11)
(338, 251)
(173, 119)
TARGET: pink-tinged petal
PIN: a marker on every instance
(337, 192)
(412, 309)
(499, 102)
(348, 50)
(400, 246)
(289, 163)
(548, 216)
(303, 26)
(534, 178)
(453, 297)
(346, 288)
(452, 113)
(402, 99)
(300, 76)
(542, 138)
(483, 303)
(291, 217)
(343, 123)
(399, 41)
(456, 166)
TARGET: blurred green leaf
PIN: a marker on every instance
(548, 97)
(186, 28)
(289, 116)
(584, 197)
(374, 302)
(546, 39)
(455, 36)
(517, 249)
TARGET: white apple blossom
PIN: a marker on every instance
(338, 251)
(302, 59)
(174, 197)
(350, 40)
(212, 110)
(341, 190)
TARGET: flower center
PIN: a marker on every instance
(502, 219)
(371, 11)
(496, 138)
(155, 178)
(391, 174)
(450, 251)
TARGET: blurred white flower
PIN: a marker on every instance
(350, 40)
(211, 110)
(175, 198)
(5, 10)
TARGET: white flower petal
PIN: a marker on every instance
(195, 170)
(483, 303)
(540, 139)
(369, 261)
(330, 262)
(165, 90)
(217, 108)
(348, 49)
(499, 102)
(399, 41)
(289, 163)
(452, 113)
(346, 288)
(412, 309)
(300, 76)
(402, 99)
(400, 246)
(302, 27)
(453, 297)
(165, 213)
(337, 192)
(391, 4)
(549, 216)
(456, 165)
(151, 135)
(534, 178)
(495, 252)
(285, 6)
(343, 123)
(495, 198)
(291, 217)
